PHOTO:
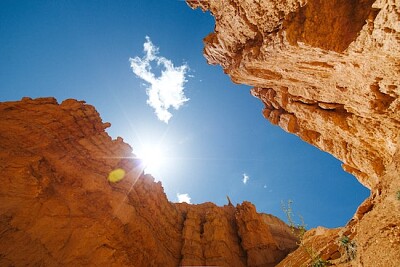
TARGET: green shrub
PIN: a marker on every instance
(398, 195)
(344, 241)
(349, 246)
(319, 262)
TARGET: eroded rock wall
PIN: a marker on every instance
(328, 72)
(57, 207)
(374, 231)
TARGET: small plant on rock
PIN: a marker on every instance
(349, 246)
(319, 262)
(299, 231)
(398, 195)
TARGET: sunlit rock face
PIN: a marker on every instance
(59, 205)
(327, 71)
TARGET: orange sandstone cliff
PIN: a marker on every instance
(328, 72)
(57, 207)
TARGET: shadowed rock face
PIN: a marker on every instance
(57, 207)
(328, 72)
(329, 25)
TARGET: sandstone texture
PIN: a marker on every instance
(328, 72)
(57, 207)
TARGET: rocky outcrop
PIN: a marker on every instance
(233, 236)
(374, 231)
(327, 71)
(57, 207)
(257, 239)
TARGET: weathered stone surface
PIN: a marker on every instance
(375, 229)
(210, 236)
(57, 207)
(315, 243)
(257, 240)
(327, 71)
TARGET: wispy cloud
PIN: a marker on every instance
(245, 178)
(183, 198)
(165, 91)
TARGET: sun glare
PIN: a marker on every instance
(152, 157)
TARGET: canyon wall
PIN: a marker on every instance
(328, 72)
(57, 207)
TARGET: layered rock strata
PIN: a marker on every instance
(57, 207)
(328, 72)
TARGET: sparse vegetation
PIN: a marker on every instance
(299, 231)
(398, 195)
(319, 262)
(349, 246)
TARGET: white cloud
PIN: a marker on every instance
(245, 178)
(265, 186)
(165, 91)
(183, 198)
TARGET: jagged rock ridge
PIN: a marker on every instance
(57, 207)
(327, 71)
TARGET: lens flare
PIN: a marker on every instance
(116, 175)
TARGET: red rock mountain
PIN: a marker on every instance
(328, 72)
(57, 207)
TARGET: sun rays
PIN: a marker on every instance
(152, 157)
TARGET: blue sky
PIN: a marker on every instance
(81, 49)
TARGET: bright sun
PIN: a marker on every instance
(152, 157)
